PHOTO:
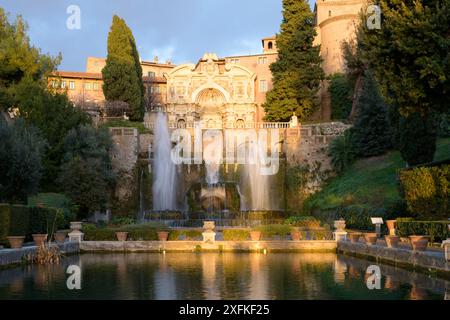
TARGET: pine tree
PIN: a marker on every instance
(371, 132)
(297, 73)
(122, 74)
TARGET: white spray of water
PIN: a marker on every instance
(164, 173)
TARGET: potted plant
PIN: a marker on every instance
(16, 242)
(121, 236)
(163, 235)
(60, 236)
(371, 238)
(255, 235)
(391, 225)
(354, 237)
(296, 234)
(39, 239)
(419, 243)
(392, 241)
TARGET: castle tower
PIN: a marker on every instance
(336, 21)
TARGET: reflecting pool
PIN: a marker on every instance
(218, 276)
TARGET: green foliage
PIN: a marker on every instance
(358, 216)
(93, 233)
(274, 230)
(372, 182)
(371, 134)
(297, 73)
(46, 220)
(417, 140)
(19, 221)
(136, 232)
(444, 125)
(436, 230)
(342, 152)
(54, 115)
(414, 73)
(20, 60)
(58, 201)
(341, 96)
(20, 160)
(303, 222)
(427, 191)
(185, 235)
(122, 74)
(121, 221)
(236, 234)
(5, 215)
(86, 177)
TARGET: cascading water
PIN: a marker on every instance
(164, 173)
(258, 184)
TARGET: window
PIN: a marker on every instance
(95, 86)
(151, 74)
(88, 86)
(63, 84)
(329, 13)
(235, 61)
(54, 84)
(71, 85)
(270, 45)
(262, 60)
(262, 85)
(155, 89)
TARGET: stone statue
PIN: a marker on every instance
(294, 121)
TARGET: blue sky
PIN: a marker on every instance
(180, 30)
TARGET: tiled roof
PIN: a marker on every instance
(79, 75)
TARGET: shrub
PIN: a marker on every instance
(342, 152)
(185, 234)
(358, 217)
(58, 201)
(274, 230)
(426, 191)
(45, 220)
(436, 230)
(5, 213)
(236, 234)
(19, 221)
(303, 221)
(120, 221)
(341, 96)
(92, 233)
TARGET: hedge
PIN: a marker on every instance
(426, 191)
(185, 235)
(436, 230)
(19, 220)
(274, 230)
(136, 232)
(303, 221)
(236, 234)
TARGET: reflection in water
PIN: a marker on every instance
(217, 276)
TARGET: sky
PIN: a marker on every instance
(177, 30)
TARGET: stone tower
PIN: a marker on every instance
(336, 21)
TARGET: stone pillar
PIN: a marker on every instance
(76, 235)
(340, 234)
(209, 236)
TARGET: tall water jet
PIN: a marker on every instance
(164, 173)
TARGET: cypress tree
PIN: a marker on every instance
(297, 73)
(122, 74)
(371, 132)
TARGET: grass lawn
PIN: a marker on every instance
(370, 181)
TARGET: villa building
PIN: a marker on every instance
(219, 91)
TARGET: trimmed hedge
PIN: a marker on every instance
(236, 234)
(19, 220)
(274, 230)
(436, 230)
(136, 232)
(175, 235)
(427, 191)
(358, 217)
(303, 221)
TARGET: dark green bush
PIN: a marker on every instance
(5, 213)
(236, 234)
(45, 220)
(92, 233)
(274, 230)
(426, 191)
(303, 221)
(175, 235)
(19, 221)
(342, 152)
(436, 230)
(358, 217)
(341, 96)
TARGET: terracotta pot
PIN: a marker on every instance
(419, 243)
(391, 225)
(392, 241)
(354, 237)
(296, 235)
(16, 242)
(371, 238)
(60, 236)
(122, 236)
(255, 235)
(39, 239)
(163, 235)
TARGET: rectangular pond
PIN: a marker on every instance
(218, 276)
